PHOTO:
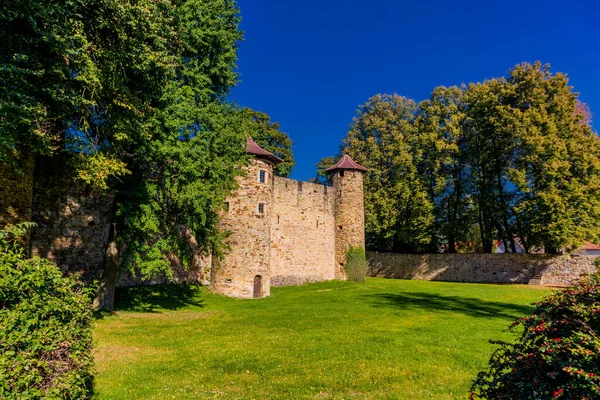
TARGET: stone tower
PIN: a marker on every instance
(245, 272)
(349, 205)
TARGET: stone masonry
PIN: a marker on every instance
(285, 232)
(16, 191)
(482, 268)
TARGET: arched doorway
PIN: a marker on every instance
(257, 286)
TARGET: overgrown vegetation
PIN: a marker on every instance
(556, 356)
(45, 327)
(512, 161)
(356, 264)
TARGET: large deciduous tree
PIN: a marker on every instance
(135, 94)
(556, 167)
(511, 161)
(382, 138)
(181, 177)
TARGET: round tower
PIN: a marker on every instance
(244, 271)
(349, 209)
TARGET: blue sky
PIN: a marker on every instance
(310, 64)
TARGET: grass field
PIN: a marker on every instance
(383, 339)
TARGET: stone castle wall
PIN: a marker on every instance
(302, 233)
(73, 221)
(249, 255)
(296, 238)
(483, 268)
(16, 192)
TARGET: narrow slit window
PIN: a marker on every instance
(261, 208)
(262, 176)
(226, 206)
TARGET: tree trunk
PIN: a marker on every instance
(105, 296)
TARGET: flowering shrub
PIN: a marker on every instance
(45, 331)
(558, 353)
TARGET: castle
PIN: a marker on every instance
(286, 232)
(283, 232)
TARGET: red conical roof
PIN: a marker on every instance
(347, 163)
(253, 148)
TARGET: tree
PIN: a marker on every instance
(269, 136)
(557, 164)
(509, 158)
(382, 138)
(442, 165)
(134, 93)
(489, 151)
(181, 177)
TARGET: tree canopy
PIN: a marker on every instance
(512, 160)
(134, 93)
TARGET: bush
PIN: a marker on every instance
(45, 330)
(556, 356)
(356, 264)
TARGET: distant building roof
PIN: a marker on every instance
(255, 149)
(590, 246)
(346, 163)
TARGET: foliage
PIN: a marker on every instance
(511, 159)
(398, 212)
(356, 264)
(268, 135)
(134, 93)
(556, 356)
(181, 177)
(83, 77)
(45, 326)
(557, 162)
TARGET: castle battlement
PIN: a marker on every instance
(287, 232)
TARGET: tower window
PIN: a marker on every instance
(262, 176)
(342, 173)
(261, 208)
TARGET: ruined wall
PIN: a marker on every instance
(72, 220)
(484, 268)
(249, 254)
(349, 216)
(302, 233)
(16, 192)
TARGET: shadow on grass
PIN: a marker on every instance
(435, 302)
(157, 297)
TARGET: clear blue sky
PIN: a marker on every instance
(310, 64)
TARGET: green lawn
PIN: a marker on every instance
(383, 339)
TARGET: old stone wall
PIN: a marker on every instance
(484, 268)
(302, 233)
(73, 221)
(349, 216)
(247, 259)
(16, 191)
